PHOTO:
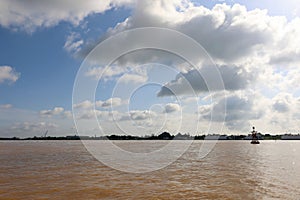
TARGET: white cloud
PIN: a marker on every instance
(240, 110)
(100, 114)
(141, 114)
(287, 51)
(88, 105)
(57, 111)
(283, 115)
(6, 106)
(88, 114)
(33, 126)
(29, 15)
(172, 107)
(8, 74)
(84, 105)
(106, 73)
(20, 123)
(109, 116)
(73, 43)
(67, 114)
(125, 74)
(111, 102)
(132, 78)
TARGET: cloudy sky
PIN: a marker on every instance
(51, 56)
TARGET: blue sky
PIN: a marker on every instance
(47, 69)
(253, 44)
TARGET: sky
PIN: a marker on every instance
(143, 67)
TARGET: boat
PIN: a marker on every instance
(254, 136)
(255, 142)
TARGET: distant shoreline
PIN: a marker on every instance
(162, 136)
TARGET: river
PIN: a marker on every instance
(232, 170)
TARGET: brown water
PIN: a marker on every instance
(233, 170)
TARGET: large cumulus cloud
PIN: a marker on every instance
(29, 15)
(227, 33)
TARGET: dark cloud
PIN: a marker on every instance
(172, 107)
(233, 77)
(234, 110)
(285, 58)
(281, 106)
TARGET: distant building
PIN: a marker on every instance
(290, 137)
(180, 136)
(216, 137)
(223, 137)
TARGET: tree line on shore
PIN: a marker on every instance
(162, 136)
